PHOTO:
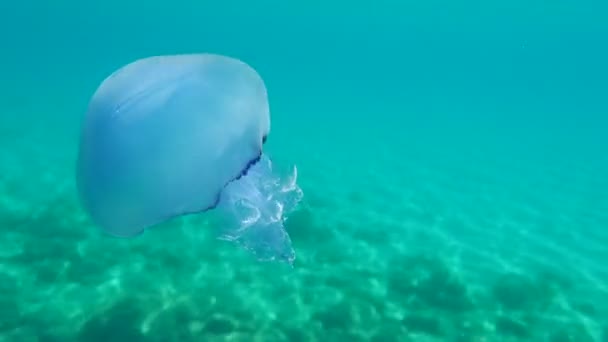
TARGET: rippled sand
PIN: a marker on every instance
(407, 248)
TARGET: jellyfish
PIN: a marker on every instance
(167, 136)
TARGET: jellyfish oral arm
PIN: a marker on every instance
(253, 210)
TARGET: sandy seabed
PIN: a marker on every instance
(425, 252)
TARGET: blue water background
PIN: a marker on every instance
(453, 157)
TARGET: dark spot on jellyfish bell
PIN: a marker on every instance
(243, 173)
(247, 167)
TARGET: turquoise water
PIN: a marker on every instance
(452, 156)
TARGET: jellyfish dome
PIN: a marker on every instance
(166, 136)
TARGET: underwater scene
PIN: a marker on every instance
(304, 171)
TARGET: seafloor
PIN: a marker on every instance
(424, 245)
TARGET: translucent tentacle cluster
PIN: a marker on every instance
(252, 211)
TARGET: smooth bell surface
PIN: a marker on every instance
(163, 135)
